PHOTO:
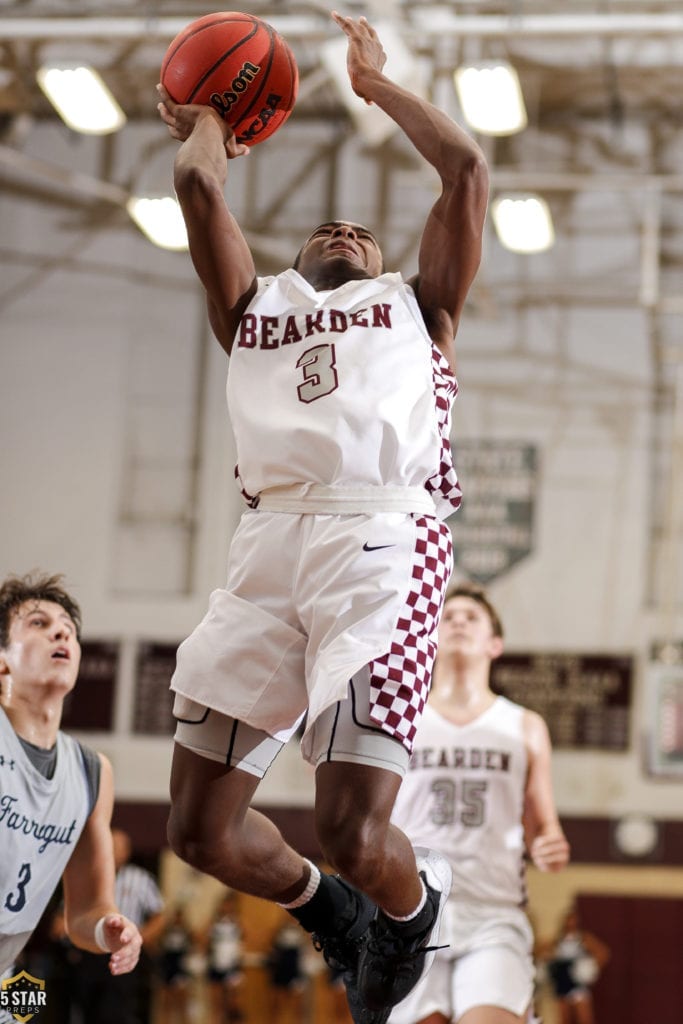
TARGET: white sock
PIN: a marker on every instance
(310, 890)
(413, 915)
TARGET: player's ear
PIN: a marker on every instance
(5, 681)
(496, 647)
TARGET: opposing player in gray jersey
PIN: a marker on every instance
(479, 790)
(340, 384)
(56, 796)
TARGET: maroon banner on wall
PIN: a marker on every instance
(90, 705)
(155, 664)
(585, 699)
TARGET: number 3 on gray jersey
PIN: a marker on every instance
(16, 899)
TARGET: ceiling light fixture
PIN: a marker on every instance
(523, 223)
(81, 98)
(161, 220)
(491, 97)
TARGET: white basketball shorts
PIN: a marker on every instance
(488, 963)
(310, 601)
(343, 732)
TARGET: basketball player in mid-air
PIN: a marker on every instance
(56, 796)
(340, 381)
(479, 789)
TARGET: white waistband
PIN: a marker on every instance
(318, 498)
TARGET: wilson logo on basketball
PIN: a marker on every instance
(223, 101)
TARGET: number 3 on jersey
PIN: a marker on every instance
(320, 375)
(17, 898)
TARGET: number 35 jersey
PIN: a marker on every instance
(41, 821)
(341, 388)
(463, 795)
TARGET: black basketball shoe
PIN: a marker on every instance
(395, 957)
(342, 948)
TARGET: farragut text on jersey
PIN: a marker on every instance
(45, 833)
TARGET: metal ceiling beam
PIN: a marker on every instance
(651, 248)
(568, 181)
(433, 23)
(501, 178)
(83, 187)
(439, 20)
(74, 182)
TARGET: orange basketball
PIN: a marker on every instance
(239, 65)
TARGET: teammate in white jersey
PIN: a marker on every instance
(56, 797)
(479, 790)
(340, 383)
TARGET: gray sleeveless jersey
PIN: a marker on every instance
(41, 821)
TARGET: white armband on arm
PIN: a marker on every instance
(99, 936)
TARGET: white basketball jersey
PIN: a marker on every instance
(464, 796)
(41, 821)
(340, 388)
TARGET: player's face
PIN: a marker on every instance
(466, 629)
(43, 648)
(342, 242)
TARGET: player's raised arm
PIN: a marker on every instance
(218, 248)
(450, 251)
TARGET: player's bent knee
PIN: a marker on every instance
(195, 839)
(355, 848)
(207, 852)
(353, 809)
(183, 842)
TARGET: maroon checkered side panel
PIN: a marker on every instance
(444, 486)
(400, 680)
(251, 500)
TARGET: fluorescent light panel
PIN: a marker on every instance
(523, 223)
(161, 220)
(491, 97)
(81, 98)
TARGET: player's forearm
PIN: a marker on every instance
(201, 160)
(80, 927)
(442, 142)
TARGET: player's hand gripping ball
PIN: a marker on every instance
(240, 66)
